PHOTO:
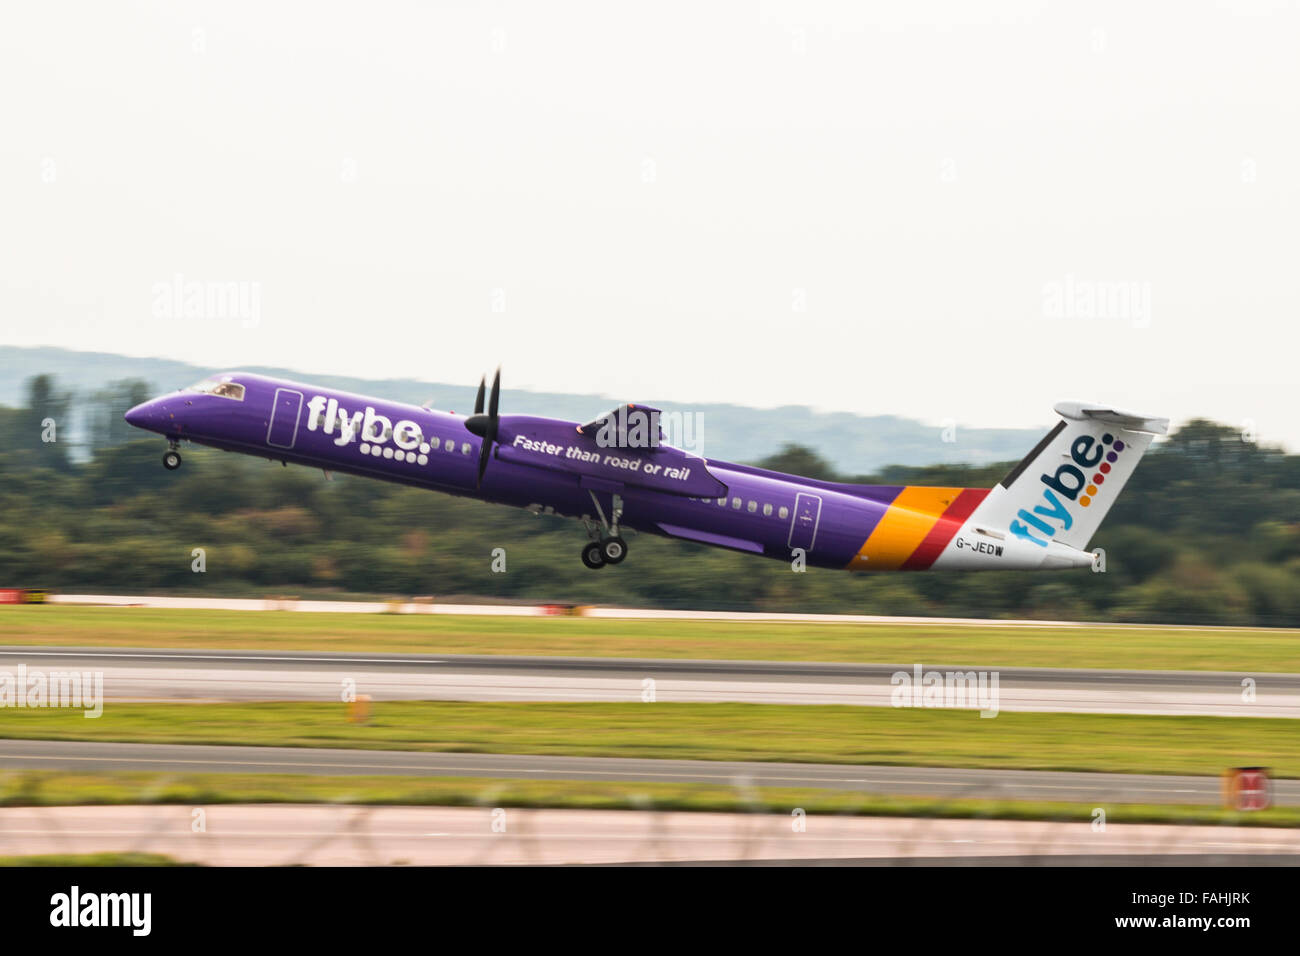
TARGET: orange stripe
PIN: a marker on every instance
(904, 526)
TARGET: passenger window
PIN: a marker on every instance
(784, 512)
(735, 503)
(767, 511)
(464, 448)
(752, 507)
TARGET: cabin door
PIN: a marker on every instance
(803, 528)
(283, 430)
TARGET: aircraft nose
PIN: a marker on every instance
(145, 415)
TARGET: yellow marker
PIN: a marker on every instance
(359, 709)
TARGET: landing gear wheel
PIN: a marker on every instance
(613, 549)
(593, 555)
(172, 460)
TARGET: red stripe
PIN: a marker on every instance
(938, 537)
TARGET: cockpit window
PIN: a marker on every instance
(220, 387)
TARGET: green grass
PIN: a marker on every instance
(1158, 648)
(1118, 743)
(47, 788)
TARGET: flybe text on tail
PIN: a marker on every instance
(1074, 484)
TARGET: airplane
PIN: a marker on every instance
(616, 472)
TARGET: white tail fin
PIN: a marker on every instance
(1066, 485)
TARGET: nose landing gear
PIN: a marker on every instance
(592, 555)
(606, 546)
(614, 549)
(172, 457)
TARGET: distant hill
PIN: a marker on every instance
(854, 444)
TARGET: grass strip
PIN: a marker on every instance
(1116, 743)
(1138, 648)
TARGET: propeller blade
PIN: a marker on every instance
(484, 453)
(485, 426)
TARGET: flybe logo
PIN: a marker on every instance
(1071, 482)
(372, 430)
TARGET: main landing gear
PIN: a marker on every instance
(606, 546)
(172, 458)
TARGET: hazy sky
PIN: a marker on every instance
(956, 210)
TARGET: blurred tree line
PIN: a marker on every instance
(1207, 532)
(64, 427)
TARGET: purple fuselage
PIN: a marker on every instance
(543, 465)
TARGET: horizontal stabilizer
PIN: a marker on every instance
(1082, 411)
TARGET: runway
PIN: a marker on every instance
(169, 674)
(259, 835)
(428, 606)
(1099, 789)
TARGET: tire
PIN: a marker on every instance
(593, 556)
(614, 550)
(172, 460)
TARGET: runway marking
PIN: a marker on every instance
(208, 676)
(120, 602)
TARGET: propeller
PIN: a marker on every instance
(485, 426)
